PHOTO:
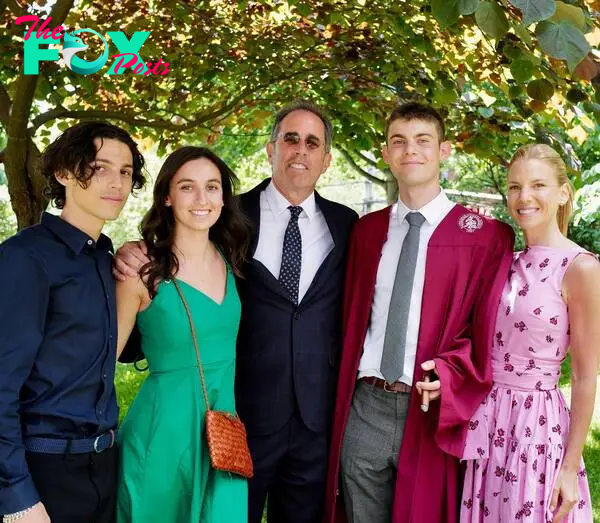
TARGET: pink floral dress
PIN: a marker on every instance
(517, 437)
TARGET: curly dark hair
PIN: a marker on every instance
(231, 232)
(73, 152)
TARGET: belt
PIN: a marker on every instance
(397, 386)
(96, 444)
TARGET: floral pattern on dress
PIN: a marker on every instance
(516, 439)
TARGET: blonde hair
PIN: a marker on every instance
(545, 153)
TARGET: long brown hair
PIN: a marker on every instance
(545, 153)
(231, 232)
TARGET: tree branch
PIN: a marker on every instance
(360, 170)
(5, 105)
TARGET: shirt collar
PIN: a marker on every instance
(433, 211)
(279, 203)
(73, 237)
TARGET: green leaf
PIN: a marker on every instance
(445, 12)
(540, 89)
(563, 41)
(468, 7)
(535, 10)
(523, 33)
(486, 112)
(514, 91)
(575, 95)
(512, 51)
(522, 70)
(570, 13)
(445, 96)
(491, 19)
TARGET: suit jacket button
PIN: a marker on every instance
(296, 315)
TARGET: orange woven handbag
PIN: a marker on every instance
(225, 432)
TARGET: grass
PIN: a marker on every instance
(128, 381)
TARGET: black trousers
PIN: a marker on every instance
(289, 472)
(76, 488)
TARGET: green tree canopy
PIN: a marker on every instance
(502, 72)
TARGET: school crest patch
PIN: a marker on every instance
(470, 222)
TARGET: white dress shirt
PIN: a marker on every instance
(317, 241)
(434, 212)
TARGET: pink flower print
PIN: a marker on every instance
(582, 473)
(514, 404)
(512, 431)
(524, 290)
(513, 446)
(534, 466)
(543, 280)
(544, 264)
(468, 503)
(525, 510)
(528, 265)
(531, 349)
(486, 511)
(538, 385)
(557, 351)
(542, 420)
(541, 449)
(477, 465)
(499, 339)
(527, 432)
(528, 401)
(480, 451)
(556, 429)
(549, 338)
(507, 311)
(521, 326)
(554, 320)
(499, 441)
(537, 311)
(581, 504)
(500, 471)
(507, 357)
(510, 477)
(530, 364)
(473, 424)
(494, 394)
(523, 457)
(542, 480)
(564, 262)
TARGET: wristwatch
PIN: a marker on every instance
(16, 516)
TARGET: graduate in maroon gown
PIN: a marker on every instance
(389, 460)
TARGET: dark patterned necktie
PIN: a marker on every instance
(291, 257)
(394, 343)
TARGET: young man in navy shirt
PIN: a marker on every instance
(58, 336)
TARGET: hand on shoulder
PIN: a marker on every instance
(129, 259)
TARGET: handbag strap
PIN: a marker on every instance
(189, 315)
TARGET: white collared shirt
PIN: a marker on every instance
(434, 212)
(317, 241)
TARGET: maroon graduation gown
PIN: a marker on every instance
(468, 259)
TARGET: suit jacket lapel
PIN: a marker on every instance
(250, 202)
(336, 252)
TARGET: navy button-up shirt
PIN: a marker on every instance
(58, 338)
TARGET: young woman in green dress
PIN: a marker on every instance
(196, 235)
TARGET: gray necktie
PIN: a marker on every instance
(392, 360)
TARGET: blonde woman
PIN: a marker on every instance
(523, 447)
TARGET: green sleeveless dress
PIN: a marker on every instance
(165, 472)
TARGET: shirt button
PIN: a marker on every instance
(90, 242)
(100, 411)
(104, 376)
